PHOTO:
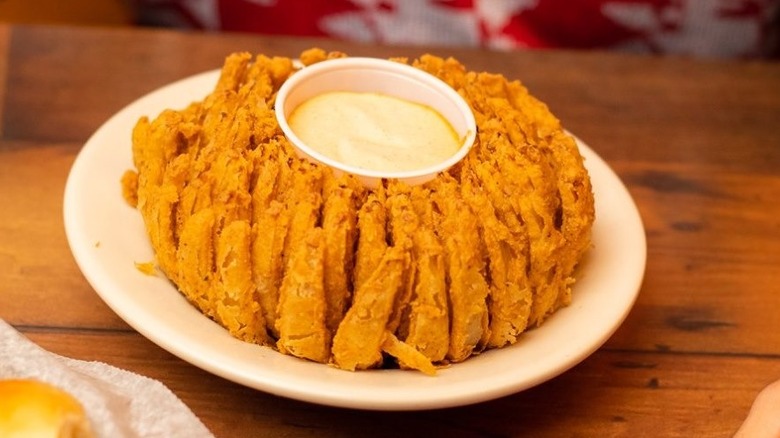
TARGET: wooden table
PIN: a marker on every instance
(696, 142)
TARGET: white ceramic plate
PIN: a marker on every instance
(107, 238)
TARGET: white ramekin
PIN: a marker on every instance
(380, 76)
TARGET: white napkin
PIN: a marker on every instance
(119, 403)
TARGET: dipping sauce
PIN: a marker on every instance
(374, 131)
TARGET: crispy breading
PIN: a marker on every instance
(402, 226)
(358, 341)
(270, 219)
(372, 238)
(301, 322)
(428, 326)
(303, 205)
(157, 204)
(339, 223)
(536, 202)
(577, 209)
(304, 202)
(160, 181)
(507, 248)
(236, 307)
(269, 233)
(130, 187)
(314, 55)
(233, 72)
(408, 357)
(527, 184)
(465, 263)
(509, 301)
(195, 260)
(282, 252)
(428, 322)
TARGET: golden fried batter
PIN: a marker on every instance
(465, 261)
(282, 252)
(372, 238)
(408, 357)
(236, 306)
(339, 222)
(403, 226)
(428, 327)
(359, 338)
(302, 305)
(195, 259)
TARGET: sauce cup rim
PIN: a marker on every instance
(372, 177)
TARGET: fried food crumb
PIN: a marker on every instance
(146, 268)
(130, 188)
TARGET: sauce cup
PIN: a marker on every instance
(373, 75)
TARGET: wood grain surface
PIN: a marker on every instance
(697, 143)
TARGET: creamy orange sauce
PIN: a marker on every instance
(374, 131)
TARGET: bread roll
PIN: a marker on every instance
(30, 408)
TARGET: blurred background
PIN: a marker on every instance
(698, 28)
